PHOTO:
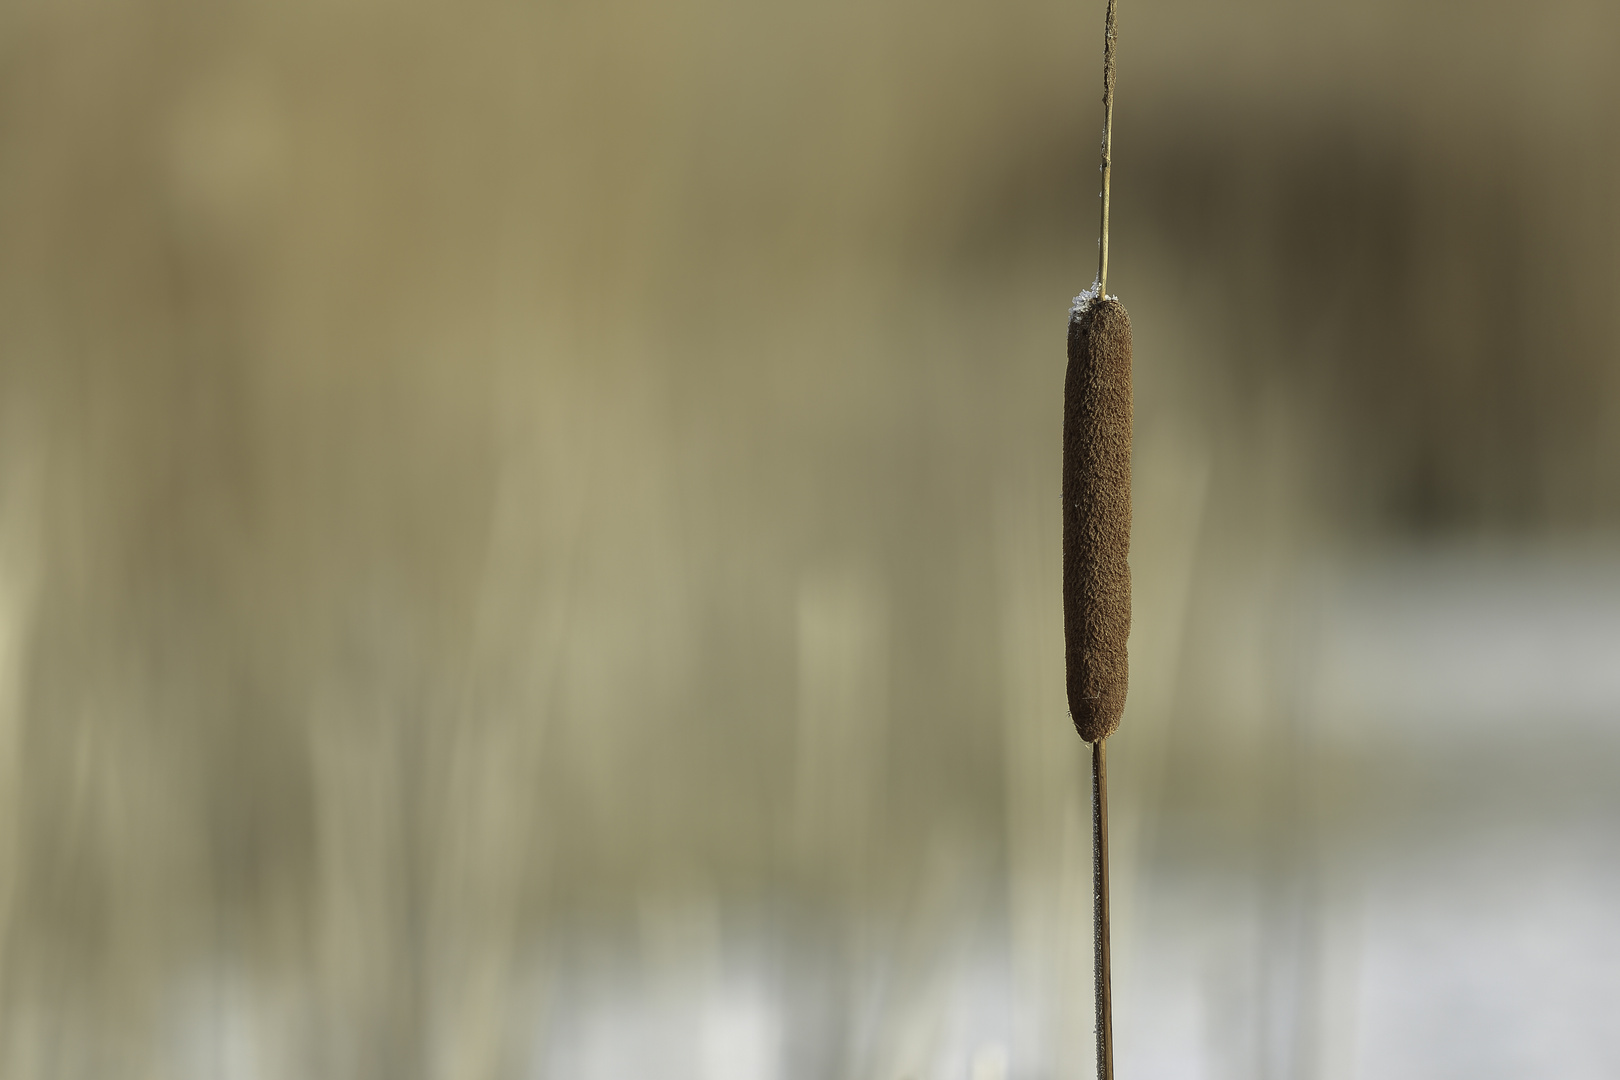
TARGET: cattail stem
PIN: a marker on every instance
(1110, 37)
(1096, 538)
(1102, 961)
(1099, 883)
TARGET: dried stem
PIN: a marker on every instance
(1099, 883)
(1099, 755)
(1110, 38)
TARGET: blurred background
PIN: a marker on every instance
(529, 540)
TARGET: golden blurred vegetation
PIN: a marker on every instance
(479, 481)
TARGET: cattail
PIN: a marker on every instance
(1097, 514)
(1097, 543)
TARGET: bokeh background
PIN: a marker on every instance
(529, 540)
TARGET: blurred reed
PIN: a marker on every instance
(528, 534)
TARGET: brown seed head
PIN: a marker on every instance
(1097, 515)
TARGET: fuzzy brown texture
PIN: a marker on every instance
(1097, 516)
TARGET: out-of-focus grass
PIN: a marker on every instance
(528, 533)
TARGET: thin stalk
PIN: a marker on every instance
(1099, 891)
(1110, 38)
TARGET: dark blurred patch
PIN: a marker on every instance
(1414, 292)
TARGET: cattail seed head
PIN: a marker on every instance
(1097, 515)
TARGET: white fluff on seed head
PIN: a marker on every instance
(1085, 300)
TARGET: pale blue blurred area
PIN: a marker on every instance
(529, 541)
(1427, 881)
